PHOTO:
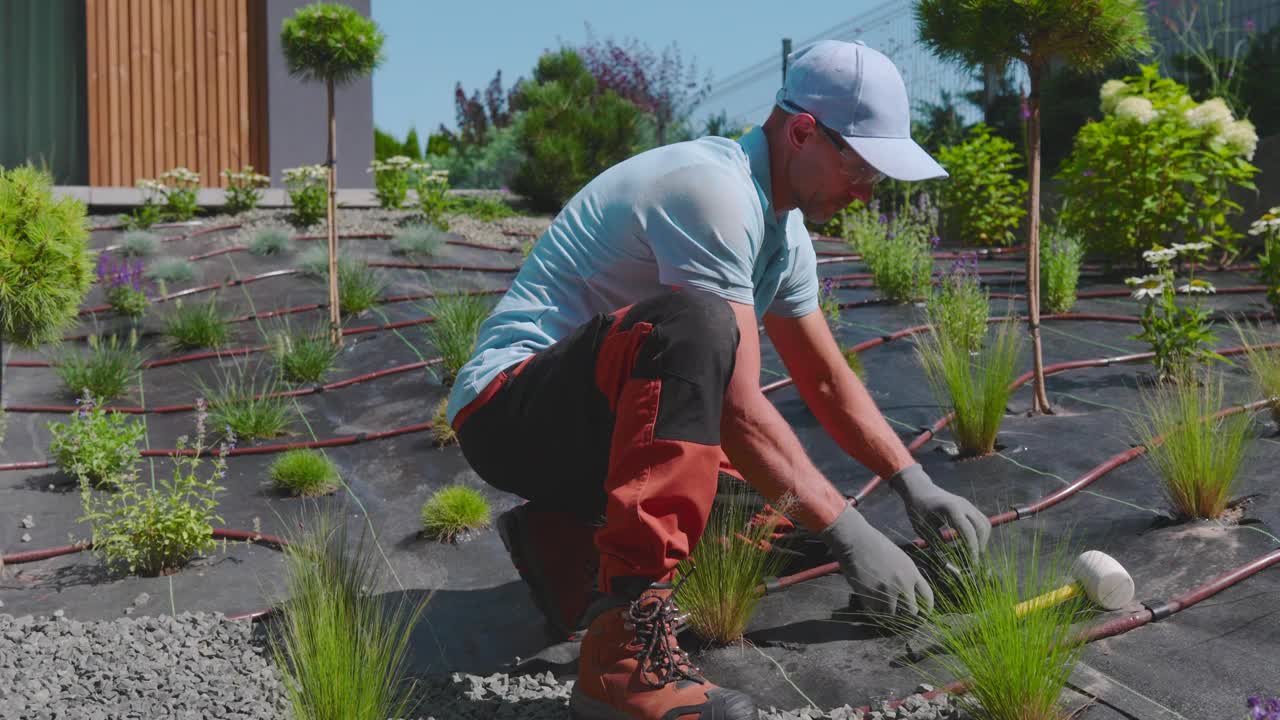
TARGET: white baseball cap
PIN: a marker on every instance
(858, 92)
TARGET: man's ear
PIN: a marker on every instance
(799, 128)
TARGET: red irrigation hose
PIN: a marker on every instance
(218, 534)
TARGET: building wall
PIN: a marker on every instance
(298, 112)
(172, 83)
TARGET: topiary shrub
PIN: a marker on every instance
(982, 199)
(568, 133)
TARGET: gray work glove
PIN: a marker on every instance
(880, 573)
(931, 508)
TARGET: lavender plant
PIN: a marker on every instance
(829, 301)
(156, 529)
(97, 447)
(1060, 268)
(1263, 708)
(900, 258)
(1179, 335)
(125, 283)
(958, 308)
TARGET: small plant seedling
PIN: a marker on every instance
(1200, 457)
(192, 326)
(457, 324)
(419, 240)
(453, 511)
(359, 286)
(96, 447)
(975, 388)
(441, 430)
(106, 371)
(138, 243)
(271, 241)
(303, 356)
(248, 402)
(171, 270)
(304, 473)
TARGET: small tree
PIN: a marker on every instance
(45, 268)
(1082, 33)
(335, 44)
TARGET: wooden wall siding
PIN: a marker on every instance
(174, 82)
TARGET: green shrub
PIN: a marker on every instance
(242, 193)
(308, 194)
(1264, 364)
(419, 240)
(392, 178)
(304, 473)
(900, 258)
(718, 583)
(149, 212)
(180, 185)
(341, 649)
(1017, 662)
(106, 371)
(303, 356)
(138, 243)
(1179, 335)
(1156, 166)
(1200, 458)
(457, 323)
(959, 307)
(128, 301)
(1060, 258)
(492, 165)
(156, 529)
(246, 402)
(482, 208)
(569, 132)
(976, 389)
(45, 270)
(453, 511)
(359, 286)
(97, 447)
(191, 326)
(433, 198)
(1268, 226)
(983, 200)
(270, 241)
(171, 270)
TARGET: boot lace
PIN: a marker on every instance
(654, 620)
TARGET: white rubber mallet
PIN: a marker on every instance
(1099, 576)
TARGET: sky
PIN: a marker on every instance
(431, 45)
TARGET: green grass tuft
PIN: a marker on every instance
(304, 356)
(314, 262)
(171, 270)
(1018, 663)
(452, 511)
(1264, 365)
(419, 240)
(343, 652)
(139, 243)
(719, 581)
(441, 430)
(481, 207)
(975, 387)
(192, 326)
(245, 400)
(359, 286)
(457, 323)
(106, 371)
(304, 473)
(270, 241)
(1199, 460)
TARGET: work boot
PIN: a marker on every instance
(555, 553)
(632, 667)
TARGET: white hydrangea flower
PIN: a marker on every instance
(1138, 109)
(305, 174)
(1197, 287)
(1212, 113)
(1110, 93)
(1159, 255)
(1240, 136)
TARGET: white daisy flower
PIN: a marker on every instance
(1197, 287)
(1190, 247)
(1159, 255)
(1138, 109)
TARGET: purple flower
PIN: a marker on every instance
(935, 241)
(1088, 172)
(1153, 4)
(1250, 26)
(1264, 709)
(1026, 109)
(884, 219)
(828, 287)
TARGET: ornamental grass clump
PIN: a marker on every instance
(975, 386)
(1264, 364)
(1060, 269)
(958, 308)
(718, 584)
(419, 240)
(1199, 458)
(171, 270)
(105, 372)
(248, 402)
(1017, 662)
(271, 241)
(303, 356)
(157, 528)
(138, 244)
(197, 325)
(453, 511)
(456, 326)
(1180, 335)
(342, 651)
(359, 286)
(97, 447)
(304, 473)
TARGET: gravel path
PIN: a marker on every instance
(200, 665)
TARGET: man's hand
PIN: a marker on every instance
(931, 508)
(880, 573)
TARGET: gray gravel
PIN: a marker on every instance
(200, 665)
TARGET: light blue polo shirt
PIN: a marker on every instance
(693, 214)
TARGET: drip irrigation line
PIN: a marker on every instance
(29, 556)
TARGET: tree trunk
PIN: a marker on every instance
(335, 317)
(1040, 400)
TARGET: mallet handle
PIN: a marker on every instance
(1049, 599)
